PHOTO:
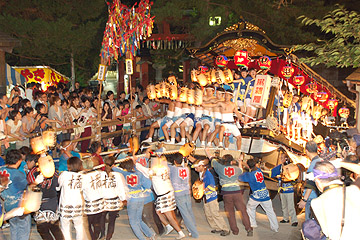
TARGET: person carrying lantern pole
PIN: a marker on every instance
(206, 123)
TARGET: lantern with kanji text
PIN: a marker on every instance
(299, 80)
(198, 97)
(241, 58)
(191, 96)
(344, 112)
(228, 76)
(287, 71)
(221, 61)
(264, 62)
(173, 92)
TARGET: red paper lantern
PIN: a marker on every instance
(299, 80)
(311, 87)
(344, 112)
(203, 69)
(221, 61)
(332, 103)
(287, 71)
(241, 58)
(322, 96)
(264, 62)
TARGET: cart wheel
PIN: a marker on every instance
(298, 192)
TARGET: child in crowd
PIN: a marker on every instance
(135, 182)
(95, 150)
(47, 217)
(259, 195)
(71, 202)
(211, 205)
(180, 179)
(114, 194)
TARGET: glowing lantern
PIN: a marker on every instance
(317, 112)
(31, 201)
(164, 90)
(264, 62)
(229, 78)
(183, 94)
(219, 76)
(198, 189)
(203, 69)
(172, 80)
(194, 75)
(221, 61)
(322, 96)
(287, 99)
(49, 138)
(187, 149)
(173, 92)
(151, 92)
(299, 80)
(332, 103)
(344, 112)
(203, 81)
(241, 58)
(311, 87)
(198, 97)
(46, 166)
(157, 89)
(191, 96)
(37, 145)
(287, 71)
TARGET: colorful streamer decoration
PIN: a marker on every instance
(125, 29)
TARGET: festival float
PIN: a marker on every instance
(246, 45)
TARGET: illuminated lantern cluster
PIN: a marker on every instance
(311, 87)
(322, 96)
(264, 62)
(241, 58)
(173, 92)
(332, 103)
(221, 61)
(344, 112)
(287, 71)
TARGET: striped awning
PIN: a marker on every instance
(13, 77)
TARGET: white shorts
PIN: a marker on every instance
(167, 124)
(231, 128)
(189, 122)
(179, 121)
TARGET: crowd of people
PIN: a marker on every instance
(152, 186)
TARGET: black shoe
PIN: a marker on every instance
(224, 233)
(216, 231)
(250, 233)
(294, 224)
(284, 221)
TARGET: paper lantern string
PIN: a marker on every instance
(125, 28)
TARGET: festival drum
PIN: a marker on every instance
(198, 189)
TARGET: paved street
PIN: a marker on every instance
(286, 232)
